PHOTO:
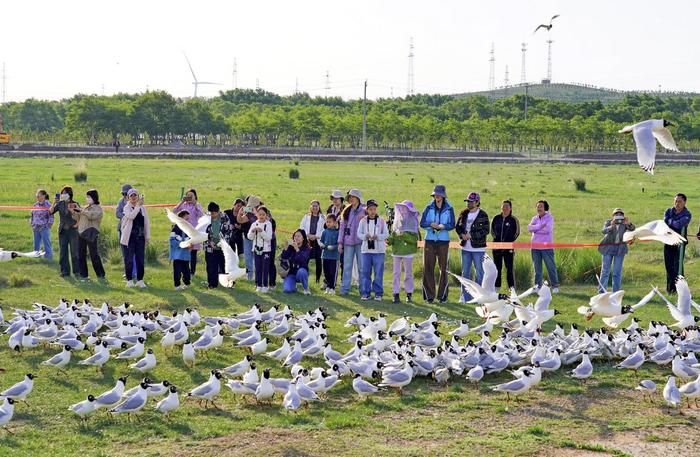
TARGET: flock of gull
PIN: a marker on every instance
(383, 354)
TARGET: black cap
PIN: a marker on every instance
(371, 202)
(213, 207)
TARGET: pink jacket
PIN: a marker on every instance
(542, 228)
(130, 212)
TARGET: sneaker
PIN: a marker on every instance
(443, 301)
(397, 299)
(178, 288)
(130, 283)
(364, 297)
(555, 290)
(141, 284)
(258, 289)
(377, 298)
(185, 286)
(409, 297)
(330, 291)
(264, 290)
(461, 299)
(307, 292)
(272, 287)
(323, 286)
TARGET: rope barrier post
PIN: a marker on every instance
(182, 192)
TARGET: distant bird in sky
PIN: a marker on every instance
(546, 26)
(645, 134)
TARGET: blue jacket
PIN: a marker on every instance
(176, 252)
(677, 220)
(444, 216)
(329, 242)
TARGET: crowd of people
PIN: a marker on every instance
(348, 244)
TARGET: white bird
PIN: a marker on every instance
(634, 360)
(134, 403)
(21, 390)
(208, 390)
(672, 396)
(169, 403)
(264, 391)
(133, 352)
(6, 256)
(584, 369)
(398, 378)
(99, 358)
(655, 231)
(60, 360)
(681, 312)
(292, 400)
(6, 412)
(240, 368)
(146, 364)
(646, 387)
(196, 235)
(645, 134)
(111, 397)
(517, 386)
(475, 374)
(188, 355)
(363, 387)
(691, 390)
(462, 330)
(85, 407)
(231, 266)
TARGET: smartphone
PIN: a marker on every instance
(57, 196)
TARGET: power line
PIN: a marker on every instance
(411, 87)
(492, 69)
(234, 74)
(523, 77)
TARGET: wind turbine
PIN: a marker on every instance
(196, 82)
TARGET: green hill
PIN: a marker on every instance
(572, 93)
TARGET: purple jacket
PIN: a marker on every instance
(41, 219)
(348, 228)
(542, 228)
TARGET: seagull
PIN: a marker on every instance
(60, 360)
(196, 235)
(231, 266)
(681, 313)
(645, 134)
(475, 374)
(265, 391)
(691, 390)
(208, 390)
(99, 358)
(634, 360)
(169, 403)
(21, 390)
(517, 386)
(548, 27)
(646, 387)
(584, 369)
(134, 403)
(398, 378)
(292, 400)
(609, 305)
(363, 387)
(6, 412)
(240, 368)
(672, 395)
(146, 364)
(188, 354)
(6, 256)
(655, 231)
(462, 330)
(85, 407)
(111, 397)
(133, 352)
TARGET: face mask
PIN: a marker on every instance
(65, 197)
(89, 200)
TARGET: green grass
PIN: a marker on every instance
(460, 419)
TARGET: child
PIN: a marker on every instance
(41, 221)
(260, 234)
(404, 244)
(180, 256)
(373, 232)
(330, 257)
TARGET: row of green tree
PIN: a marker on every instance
(260, 118)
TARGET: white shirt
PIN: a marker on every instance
(471, 217)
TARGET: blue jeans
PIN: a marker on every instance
(351, 254)
(290, 282)
(43, 236)
(538, 255)
(469, 258)
(616, 262)
(249, 259)
(372, 263)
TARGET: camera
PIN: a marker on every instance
(347, 231)
(247, 209)
(259, 250)
(370, 244)
(619, 219)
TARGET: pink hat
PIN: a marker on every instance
(409, 204)
(473, 197)
(132, 191)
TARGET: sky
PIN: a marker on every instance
(53, 50)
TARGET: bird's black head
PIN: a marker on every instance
(266, 373)
(10, 401)
(667, 123)
(358, 375)
(149, 351)
(173, 389)
(166, 383)
(253, 366)
(31, 376)
(141, 339)
(217, 374)
(27, 332)
(91, 398)
(626, 309)
(123, 346)
(144, 386)
(67, 348)
(503, 297)
(248, 357)
(556, 311)
(123, 379)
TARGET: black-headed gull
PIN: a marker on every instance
(645, 134)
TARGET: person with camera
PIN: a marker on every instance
(41, 222)
(677, 218)
(190, 204)
(219, 229)
(404, 245)
(296, 254)
(373, 232)
(120, 213)
(136, 233)
(89, 219)
(505, 228)
(312, 223)
(260, 234)
(349, 245)
(246, 216)
(613, 249)
(237, 233)
(438, 219)
(542, 228)
(67, 231)
(472, 227)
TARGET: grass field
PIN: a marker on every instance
(560, 417)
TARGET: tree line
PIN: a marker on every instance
(247, 117)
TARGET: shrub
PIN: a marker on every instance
(522, 266)
(107, 242)
(578, 265)
(580, 184)
(80, 176)
(293, 173)
(151, 254)
(431, 179)
(19, 280)
(4, 282)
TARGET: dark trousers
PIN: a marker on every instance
(671, 260)
(435, 251)
(499, 258)
(83, 248)
(273, 268)
(68, 249)
(316, 256)
(135, 252)
(193, 261)
(330, 270)
(262, 269)
(181, 269)
(215, 266)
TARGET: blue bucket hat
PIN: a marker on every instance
(439, 190)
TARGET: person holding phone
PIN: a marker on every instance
(67, 231)
(41, 221)
(190, 204)
(89, 219)
(136, 232)
(297, 253)
(246, 216)
(613, 249)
